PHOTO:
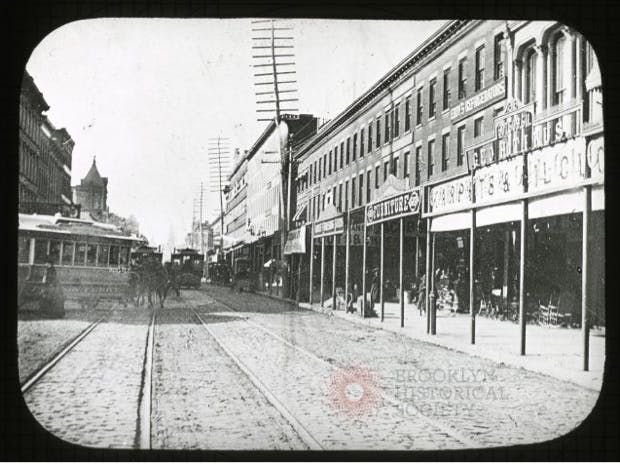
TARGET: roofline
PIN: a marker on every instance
(451, 27)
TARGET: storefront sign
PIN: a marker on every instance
(327, 227)
(451, 195)
(394, 207)
(479, 101)
(596, 158)
(295, 241)
(557, 166)
(513, 131)
(499, 181)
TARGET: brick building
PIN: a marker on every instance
(485, 127)
(45, 154)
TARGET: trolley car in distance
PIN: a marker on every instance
(91, 261)
(190, 264)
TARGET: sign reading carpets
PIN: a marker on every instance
(327, 227)
(394, 207)
(451, 195)
(295, 241)
(596, 159)
(499, 181)
(481, 100)
(558, 166)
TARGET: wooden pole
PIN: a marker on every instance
(346, 261)
(433, 300)
(522, 248)
(472, 287)
(364, 271)
(427, 297)
(415, 258)
(311, 261)
(381, 275)
(585, 294)
(298, 290)
(334, 240)
(322, 267)
(401, 277)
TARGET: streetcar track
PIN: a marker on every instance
(446, 429)
(142, 438)
(303, 433)
(66, 349)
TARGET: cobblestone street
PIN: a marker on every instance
(256, 373)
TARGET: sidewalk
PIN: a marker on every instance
(553, 351)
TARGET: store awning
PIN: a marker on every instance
(295, 241)
(450, 222)
(300, 215)
(555, 205)
(497, 214)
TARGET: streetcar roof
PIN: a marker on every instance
(63, 225)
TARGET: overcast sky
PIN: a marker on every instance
(145, 95)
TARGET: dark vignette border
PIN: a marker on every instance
(22, 438)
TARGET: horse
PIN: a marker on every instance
(156, 282)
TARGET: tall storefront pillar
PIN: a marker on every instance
(432, 307)
(334, 248)
(363, 311)
(381, 273)
(585, 288)
(311, 262)
(427, 296)
(522, 248)
(347, 232)
(472, 286)
(401, 280)
(322, 284)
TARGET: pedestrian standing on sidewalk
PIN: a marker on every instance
(374, 290)
(421, 300)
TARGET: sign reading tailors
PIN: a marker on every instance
(452, 195)
(327, 227)
(394, 207)
(479, 101)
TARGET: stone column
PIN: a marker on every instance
(540, 77)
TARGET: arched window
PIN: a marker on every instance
(529, 90)
(559, 50)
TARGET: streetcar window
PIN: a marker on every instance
(123, 256)
(55, 251)
(113, 256)
(40, 251)
(67, 253)
(80, 254)
(91, 255)
(102, 255)
(24, 249)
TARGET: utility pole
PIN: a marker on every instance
(271, 46)
(219, 165)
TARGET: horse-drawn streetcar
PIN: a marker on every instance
(71, 260)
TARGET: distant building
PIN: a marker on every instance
(92, 194)
(45, 154)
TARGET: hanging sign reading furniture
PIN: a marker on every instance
(397, 206)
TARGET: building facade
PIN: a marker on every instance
(473, 169)
(45, 155)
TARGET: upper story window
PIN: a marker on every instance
(342, 152)
(460, 145)
(529, 90)
(478, 127)
(329, 165)
(353, 192)
(378, 133)
(369, 137)
(354, 146)
(406, 165)
(432, 105)
(325, 165)
(420, 107)
(407, 114)
(559, 47)
(386, 133)
(462, 78)
(361, 143)
(316, 173)
(386, 169)
(445, 146)
(377, 174)
(430, 161)
(360, 195)
(418, 157)
(499, 48)
(479, 80)
(446, 89)
(394, 169)
(396, 121)
(348, 150)
(368, 186)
